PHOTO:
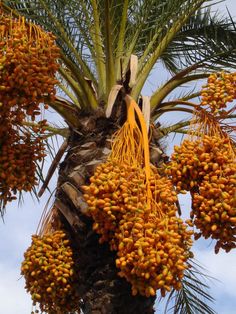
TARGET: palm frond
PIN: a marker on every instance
(206, 37)
(164, 131)
(193, 297)
(176, 81)
(53, 167)
(52, 144)
(175, 20)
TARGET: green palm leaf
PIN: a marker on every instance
(207, 38)
(193, 298)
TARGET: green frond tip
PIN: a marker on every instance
(206, 36)
(193, 297)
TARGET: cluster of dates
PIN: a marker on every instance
(206, 167)
(152, 243)
(50, 273)
(27, 75)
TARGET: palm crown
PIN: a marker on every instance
(97, 39)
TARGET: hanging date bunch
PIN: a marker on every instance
(107, 196)
(214, 205)
(134, 209)
(109, 189)
(219, 90)
(204, 164)
(28, 65)
(27, 75)
(50, 270)
(154, 244)
(20, 150)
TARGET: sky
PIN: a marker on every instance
(21, 222)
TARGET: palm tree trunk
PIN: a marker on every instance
(101, 291)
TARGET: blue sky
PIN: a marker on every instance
(21, 222)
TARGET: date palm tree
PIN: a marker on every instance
(108, 49)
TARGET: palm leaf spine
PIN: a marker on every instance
(162, 47)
